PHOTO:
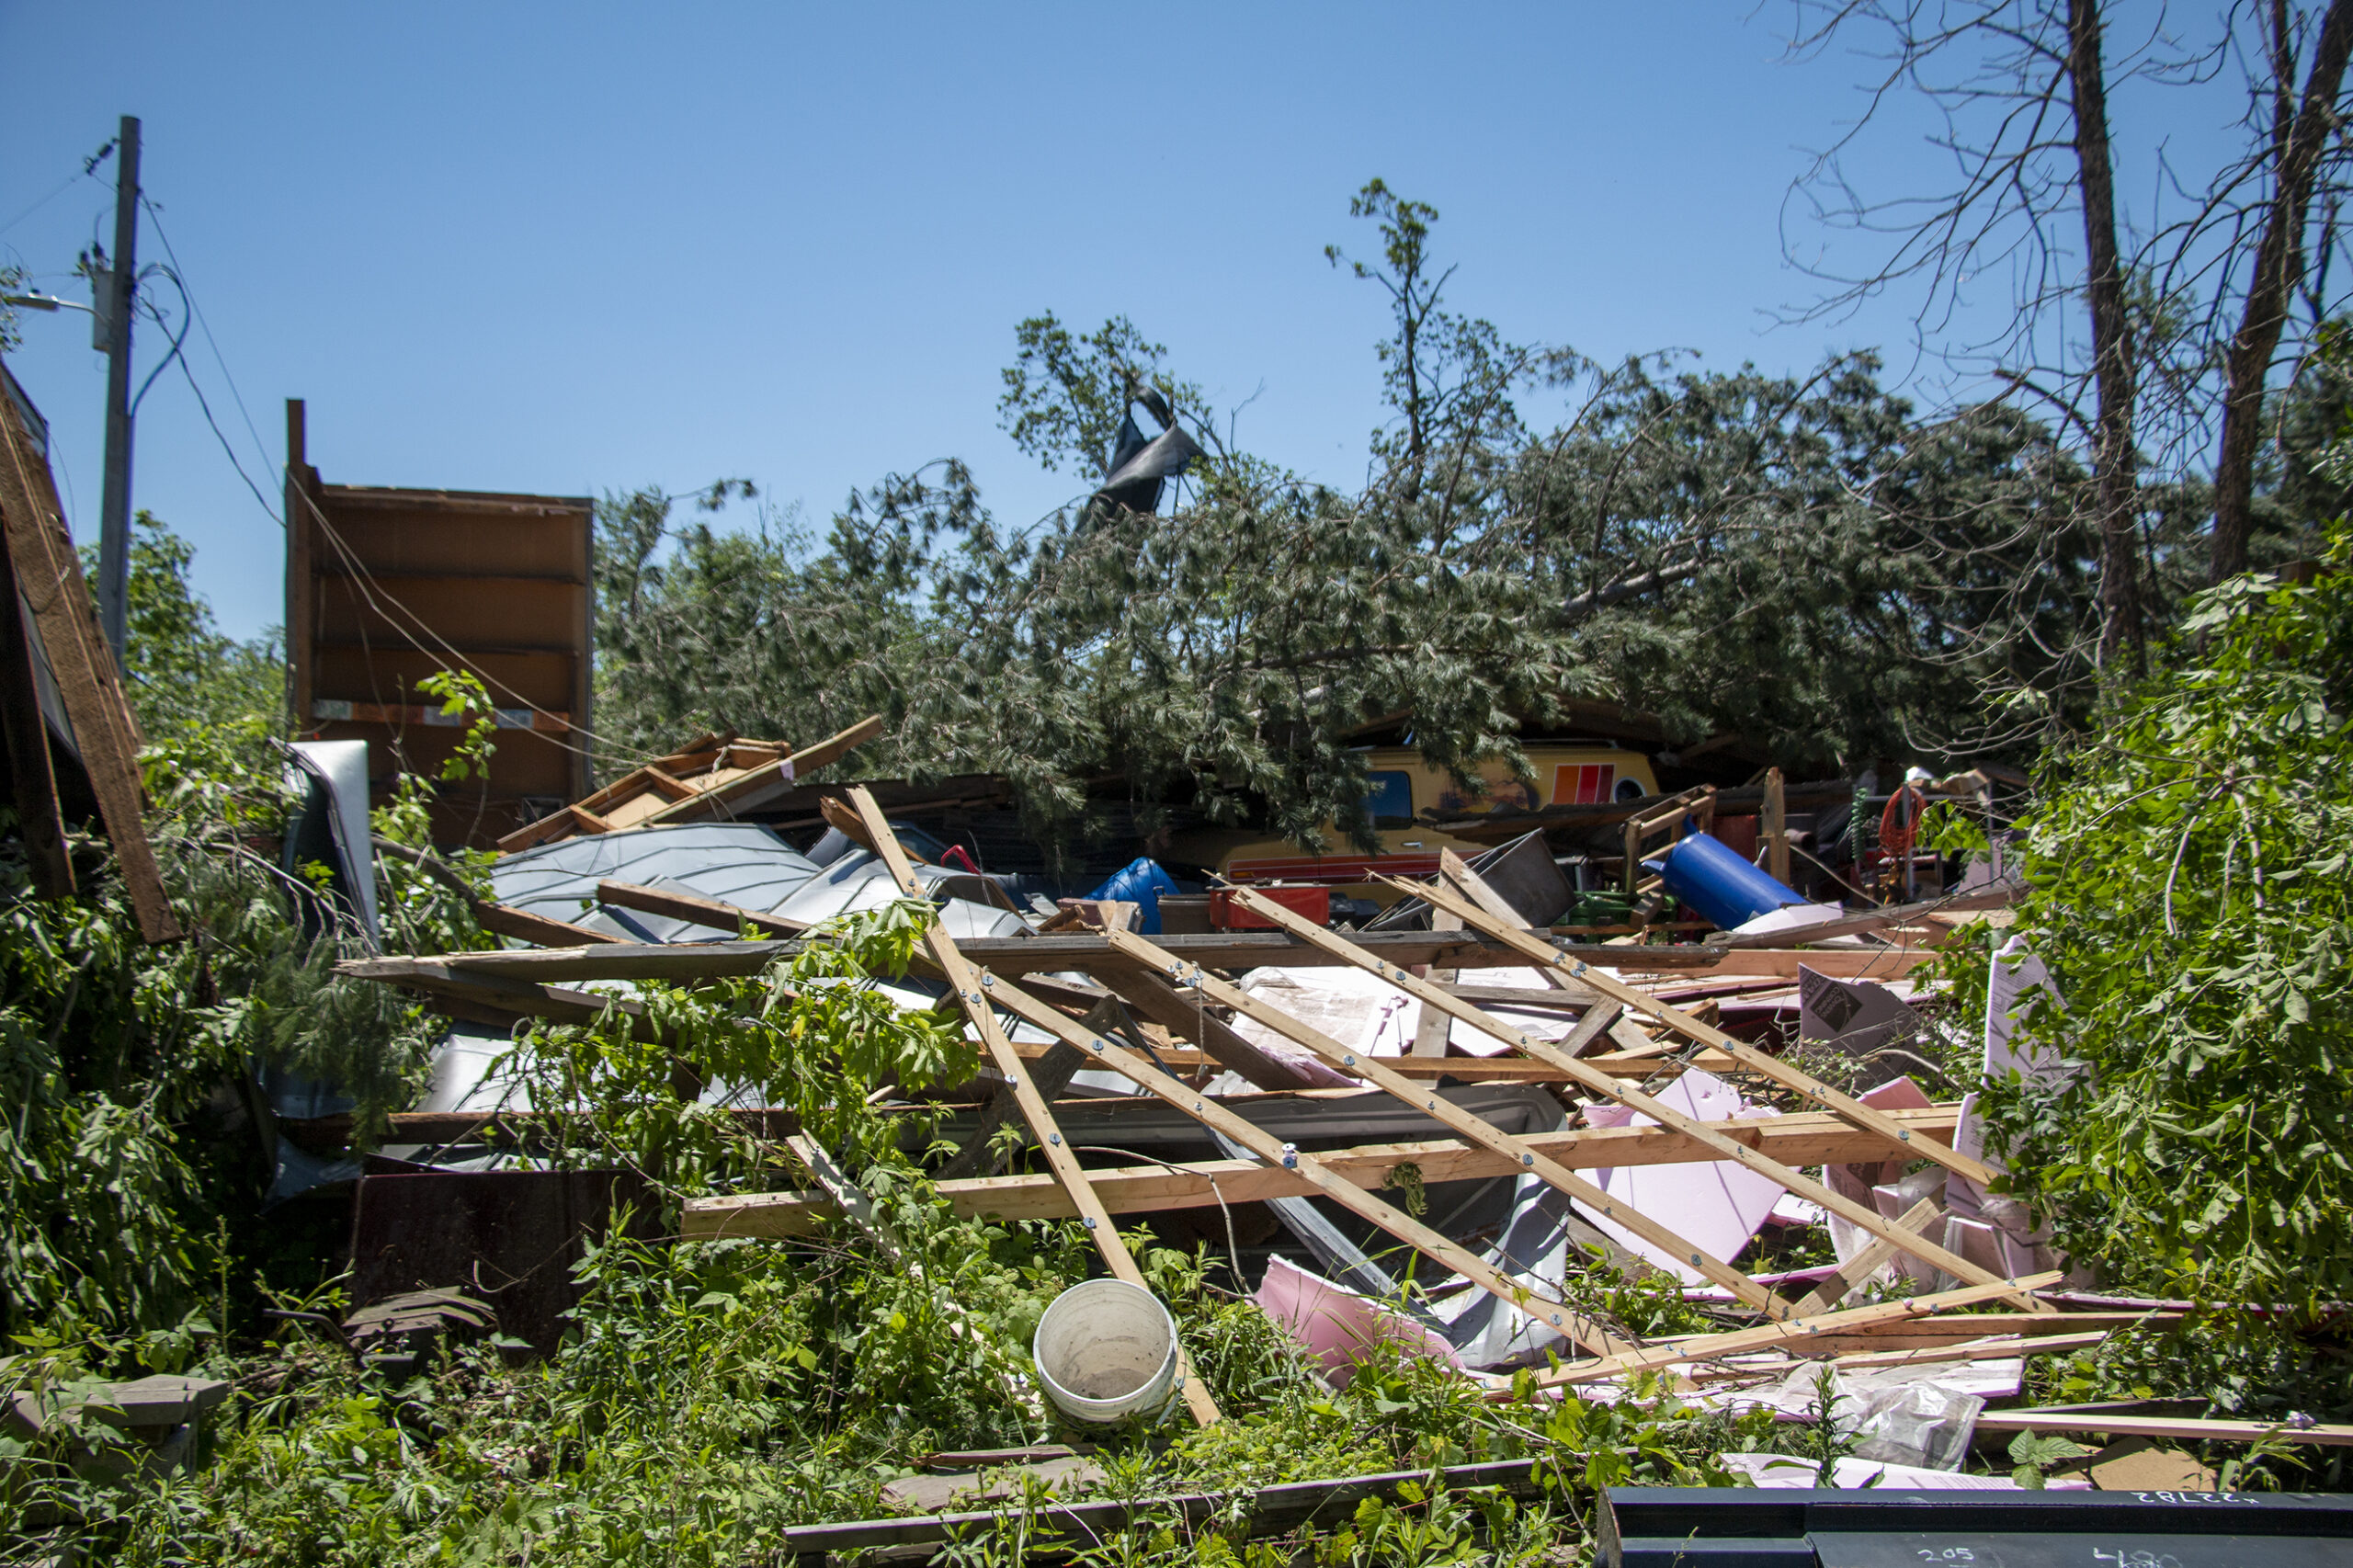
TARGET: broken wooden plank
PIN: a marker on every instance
(1228, 950)
(333, 1134)
(1269, 1511)
(106, 736)
(760, 785)
(694, 910)
(1794, 1334)
(501, 1001)
(24, 733)
(966, 982)
(1858, 1269)
(1214, 1114)
(1978, 1350)
(1804, 1138)
(1465, 1124)
(2180, 1429)
(1748, 1056)
(1790, 1180)
(1153, 996)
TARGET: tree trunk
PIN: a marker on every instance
(2279, 268)
(2114, 461)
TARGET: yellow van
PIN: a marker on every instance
(1401, 788)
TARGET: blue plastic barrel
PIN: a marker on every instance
(1141, 881)
(1714, 880)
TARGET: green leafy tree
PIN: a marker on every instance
(2189, 894)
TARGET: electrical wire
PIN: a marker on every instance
(378, 597)
(89, 168)
(174, 352)
(156, 218)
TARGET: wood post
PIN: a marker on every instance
(967, 983)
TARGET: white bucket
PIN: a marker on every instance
(1107, 1350)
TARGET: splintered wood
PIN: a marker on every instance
(966, 982)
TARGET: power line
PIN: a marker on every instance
(89, 170)
(155, 216)
(374, 592)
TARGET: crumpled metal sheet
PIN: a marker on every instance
(740, 863)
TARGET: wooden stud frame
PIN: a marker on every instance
(1337, 1188)
(1601, 1083)
(967, 983)
(1544, 957)
(1471, 1127)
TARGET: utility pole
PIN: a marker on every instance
(114, 514)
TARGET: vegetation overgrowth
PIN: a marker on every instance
(2186, 861)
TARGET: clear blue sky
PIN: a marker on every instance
(584, 247)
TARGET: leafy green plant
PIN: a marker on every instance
(462, 696)
(2189, 891)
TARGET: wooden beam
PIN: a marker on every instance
(694, 910)
(2179, 1429)
(1871, 920)
(506, 920)
(1804, 1138)
(1852, 1273)
(1780, 1072)
(762, 784)
(1773, 823)
(1153, 996)
(498, 1000)
(1215, 1114)
(1465, 1124)
(1978, 1350)
(25, 737)
(106, 736)
(1795, 1334)
(1058, 1157)
(1790, 1180)
(1228, 950)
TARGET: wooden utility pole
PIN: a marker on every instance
(114, 514)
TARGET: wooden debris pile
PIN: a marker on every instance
(1658, 1135)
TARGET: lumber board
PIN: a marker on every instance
(1059, 1156)
(762, 785)
(2179, 1428)
(1467, 1069)
(1472, 1128)
(500, 1000)
(1269, 1511)
(1956, 1328)
(331, 1134)
(1869, 1260)
(1152, 995)
(1780, 1072)
(1790, 1180)
(31, 778)
(1806, 1137)
(1979, 1350)
(1013, 956)
(1216, 1115)
(106, 736)
(506, 920)
(1794, 1334)
(711, 912)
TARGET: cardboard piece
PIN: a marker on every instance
(1719, 1205)
(1859, 1017)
